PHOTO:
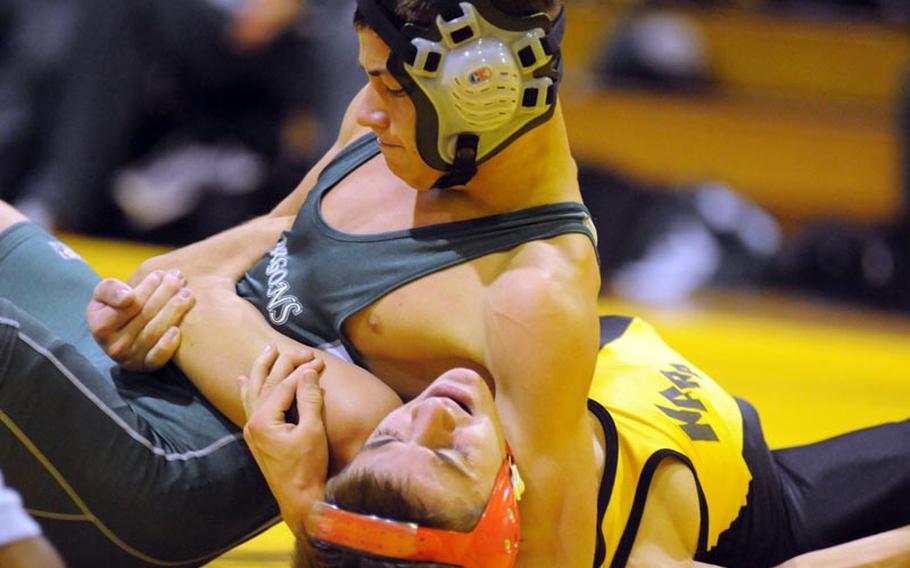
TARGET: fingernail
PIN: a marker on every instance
(172, 332)
(185, 293)
(268, 348)
(120, 295)
(176, 274)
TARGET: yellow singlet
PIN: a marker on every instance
(654, 405)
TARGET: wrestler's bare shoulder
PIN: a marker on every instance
(441, 320)
(564, 264)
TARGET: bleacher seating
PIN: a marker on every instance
(802, 118)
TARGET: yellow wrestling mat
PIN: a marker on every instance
(812, 370)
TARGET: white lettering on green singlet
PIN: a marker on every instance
(282, 305)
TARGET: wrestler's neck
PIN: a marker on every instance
(535, 169)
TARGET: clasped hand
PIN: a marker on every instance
(293, 457)
(139, 327)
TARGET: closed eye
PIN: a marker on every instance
(385, 436)
(387, 433)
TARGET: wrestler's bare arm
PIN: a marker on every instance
(229, 253)
(130, 323)
(670, 522)
(541, 339)
(224, 334)
(234, 251)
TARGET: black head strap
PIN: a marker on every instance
(465, 165)
(553, 39)
(448, 9)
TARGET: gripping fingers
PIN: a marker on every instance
(170, 285)
(131, 320)
(280, 399)
(113, 305)
(286, 364)
(153, 302)
(261, 368)
(164, 321)
(147, 287)
(114, 293)
(164, 349)
(269, 408)
(309, 401)
(309, 393)
(315, 364)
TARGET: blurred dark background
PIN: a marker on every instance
(734, 144)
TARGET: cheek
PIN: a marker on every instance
(404, 118)
(397, 420)
(485, 444)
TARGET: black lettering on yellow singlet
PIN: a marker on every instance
(683, 377)
(688, 410)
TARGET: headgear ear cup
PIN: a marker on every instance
(479, 78)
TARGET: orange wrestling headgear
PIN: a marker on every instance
(492, 543)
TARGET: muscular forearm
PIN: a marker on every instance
(228, 254)
(222, 336)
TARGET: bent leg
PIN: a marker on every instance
(9, 216)
(122, 471)
(848, 487)
(44, 277)
(890, 548)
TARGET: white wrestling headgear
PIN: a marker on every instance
(479, 78)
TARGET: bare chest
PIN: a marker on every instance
(424, 327)
(416, 332)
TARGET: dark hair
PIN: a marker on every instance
(326, 555)
(364, 493)
(423, 12)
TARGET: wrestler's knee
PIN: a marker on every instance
(9, 215)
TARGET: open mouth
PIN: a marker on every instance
(461, 398)
(463, 406)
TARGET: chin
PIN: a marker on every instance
(422, 180)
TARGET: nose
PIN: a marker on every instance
(371, 113)
(432, 426)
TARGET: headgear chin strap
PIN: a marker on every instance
(479, 78)
(492, 543)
